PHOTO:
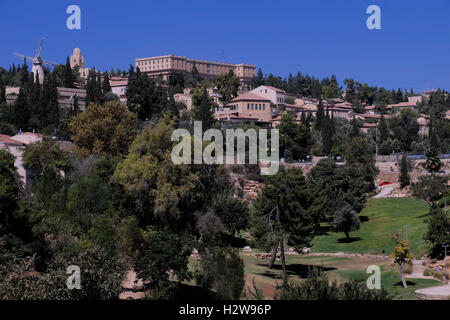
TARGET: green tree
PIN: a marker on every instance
(227, 85)
(68, 75)
(204, 110)
(294, 138)
(403, 177)
(401, 256)
(438, 232)
(231, 211)
(107, 130)
(430, 188)
(290, 208)
(433, 163)
(346, 219)
(222, 269)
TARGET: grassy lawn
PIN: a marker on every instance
(337, 268)
(384, 218)
(391, 281)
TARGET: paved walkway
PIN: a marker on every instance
(434, 293)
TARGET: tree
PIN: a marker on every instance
(384, 131)
(358, 154)
(433, 163)
(401, 256)
(327, 133)
(320, 115)
(22, 112)
(438, 232)
(231, 211)
(204, 110)
(403, 177)
(430, 188)
(68, 75)
(317, 287)
(106, 87)
(294, 138)
(9, 191)
(405, 128)
(222, 269)
(162, 256)
(105, 130)
(227, 85)
(345, 220)
(290, 208)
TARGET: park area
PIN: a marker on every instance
(344, 260)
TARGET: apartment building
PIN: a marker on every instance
(163, 65)
(248, 106)
(275, 95)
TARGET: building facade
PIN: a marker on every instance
(163, 65)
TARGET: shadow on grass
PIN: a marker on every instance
(408, 283)
(348, 240)
(297, 269)
(363, 218)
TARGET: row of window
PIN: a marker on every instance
(251, 105)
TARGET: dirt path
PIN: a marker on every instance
(385, 191)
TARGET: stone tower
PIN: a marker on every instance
(77, 59)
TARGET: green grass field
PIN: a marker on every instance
(385, 217)
(337, 268)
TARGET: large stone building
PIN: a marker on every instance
(163, 65)
(78, 60)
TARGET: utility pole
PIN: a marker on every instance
(406, 228)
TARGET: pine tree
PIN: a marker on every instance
(404, 172)
(68, 75)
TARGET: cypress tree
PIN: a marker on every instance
(384, 131)
(404, 172)
(68, 75)
(355, 128)
(319, 116)
(2, 91)
(327, 133)
(106, 87)
(21, 109)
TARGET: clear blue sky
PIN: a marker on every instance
(315, 37)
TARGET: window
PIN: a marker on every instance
(264, 106)
(260, 106)
(252, 106)
(248, 106)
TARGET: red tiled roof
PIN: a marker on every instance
(276, 89)
(8, 140)
(249, 97)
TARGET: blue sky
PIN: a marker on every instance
(315, 37)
